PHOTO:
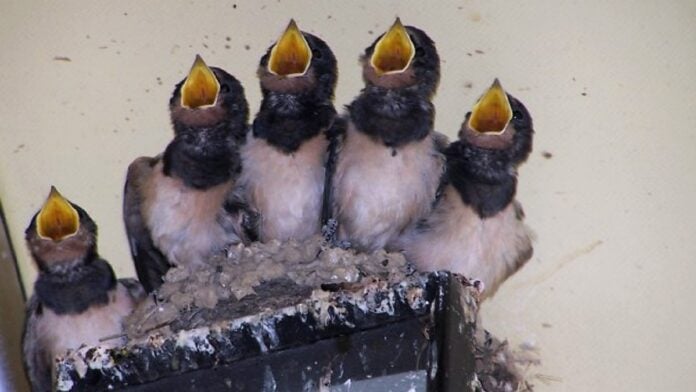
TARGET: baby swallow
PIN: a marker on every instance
(388, 162)
(284, 160)
(174, 204)
(77, 299)
(476, 228)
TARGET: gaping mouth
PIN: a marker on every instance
(58, 219)
(291, 55)
(394, 51)
(201, 87)
(492, 113)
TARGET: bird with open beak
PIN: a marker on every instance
(283, 167)
(385, 168)
(476, 228)
(77, 299)
(175, 208)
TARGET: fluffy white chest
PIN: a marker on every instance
(459, 240)
(60, 333)
(183, 222)
(286, 189)
(378, 193)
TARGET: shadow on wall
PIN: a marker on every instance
(11, 316)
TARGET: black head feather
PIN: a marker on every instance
(72, 277)
(323, 68)
(425, 64)
(50, 255)
(399, 112)
(76, 289)
(231, 110)
(486, 179)
(204, 151)
(303, 107)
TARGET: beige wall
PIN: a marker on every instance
(608, 297)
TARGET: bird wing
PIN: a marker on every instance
(239, 217)
(150, 263)
(441, 142)
(37, 360)
(336, 134)
(134, 288)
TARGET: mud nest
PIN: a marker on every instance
(261, 277)
(251, 279)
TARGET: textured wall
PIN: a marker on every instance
(611, 85)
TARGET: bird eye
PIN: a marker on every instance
(316, 53)
(517, 115)
(419, 52)
(224, 88)
(189, 138)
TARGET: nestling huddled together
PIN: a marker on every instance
(374, 176)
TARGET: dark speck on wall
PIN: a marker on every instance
(205, 45)
(228, 39)
(125, 14)
(370, 32)
(247, 47)
(468, 85)
(546, 154)
(469, 54)
(584, 94)
(328, 16)
(18, 148)
(546, 325)
(62, 58)
(227, 46)
(234, 6)
(159, 80)
(87, 36)
(479, 51)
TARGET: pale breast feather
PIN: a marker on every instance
(183, 221)
(97, 326)
(379, 191)
(286, 189)
(488, 249)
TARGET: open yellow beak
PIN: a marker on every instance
(291, 55)
(492, 113)
(58, 219)
(394, 51)
(201, 86)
